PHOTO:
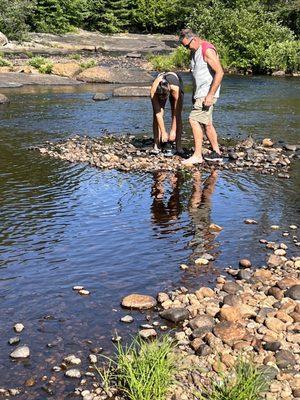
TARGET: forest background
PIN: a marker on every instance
(261, 35)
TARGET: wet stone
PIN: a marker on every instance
(244, 263)
(293, 292)
(73, 373)
(19, 327)
(20, 352)
(127, 319)
(175, 314)
(100, 97)
(14, 340)
(244, 274)
(138, 301)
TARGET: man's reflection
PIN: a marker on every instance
(169, 200)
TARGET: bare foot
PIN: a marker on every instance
(172, 136)
(193, 160)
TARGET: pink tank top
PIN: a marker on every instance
(206, 45)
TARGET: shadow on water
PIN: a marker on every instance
(64, 225)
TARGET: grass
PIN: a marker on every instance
(4, 62)
(88, 64)
(243, 382)
(142, 370)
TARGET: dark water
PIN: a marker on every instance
(116, 233)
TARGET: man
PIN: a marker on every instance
(207, 76)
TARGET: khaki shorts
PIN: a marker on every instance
(197, 114)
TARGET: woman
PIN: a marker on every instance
(167, 85)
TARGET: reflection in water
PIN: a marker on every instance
(198, 205)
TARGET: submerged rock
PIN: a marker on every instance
(100, 97)
(20, 352)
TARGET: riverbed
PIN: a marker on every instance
(118, 233)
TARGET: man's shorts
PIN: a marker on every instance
(199, 115)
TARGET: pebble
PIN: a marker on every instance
(19, 327)
(127, 319)
(72, 359)
(73, 373)
(93, 358)
(147, 333)
(83, 292)
(20, 352)
(14, 340)
(78, 287)
(201, 261)
(251, 222)
(245, 263)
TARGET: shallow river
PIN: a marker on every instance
(116, 233)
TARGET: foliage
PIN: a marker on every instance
(4, 62)
(178, 59)
(13, 17)
(242, 33)
(244, 382)
(144, 370)
(88, 64)
(42, 64)
(283, 56)
(75, 56)
(58, 16)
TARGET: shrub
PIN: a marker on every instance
(4, 62)
(88, 64)
(42, 64)
(75, 56)
(178, 59)
(283, 56)
(144, 370)
(243, 382)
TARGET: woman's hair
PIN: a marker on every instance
(163, 88)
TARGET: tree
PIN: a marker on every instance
(13, 16)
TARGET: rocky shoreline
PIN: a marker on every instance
(128, 153)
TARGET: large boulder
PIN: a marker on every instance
(3, 99)
(138, 301)
(114, 75)
(132, 91)
(69, 69)
(3, 39)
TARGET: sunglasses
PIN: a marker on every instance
(187, 46)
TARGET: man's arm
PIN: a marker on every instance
(213, 61)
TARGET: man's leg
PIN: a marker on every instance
(198, 132)
(212, 137)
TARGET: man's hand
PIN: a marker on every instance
(208, 101)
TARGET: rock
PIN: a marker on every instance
(229, 313)
(162, 297)
(93, 358)
(278, 73)
(272, 346)
(114, 75)
(204, 350)
(147, 333)
(280, 252)
(204, 292)
(267, 142)
(290, 147)
(232, 300)
(262, 274)
(202, 321)
(232, 287)
(268, 371)
(293, 292)
(76, 288)
(275, 292)
(72, 359)
(83, 292)
(287, 282)
(201, 261)
(127, 319)
(133, 55)
(19, 327)
(275, 227)
(30, 382)
(69, 69)
(3, 99)
(244, 274)
(244, 263)
(20, 352)
(132, 91)
(14, 340)
(175, 314)
(3, 39)
(250, 221)
(100, 97)
(285, 359)
(229, 332)
(184, 267)
(275, 324)
(139, 301)
(274, 261)
(73, 373)
(215, 228)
